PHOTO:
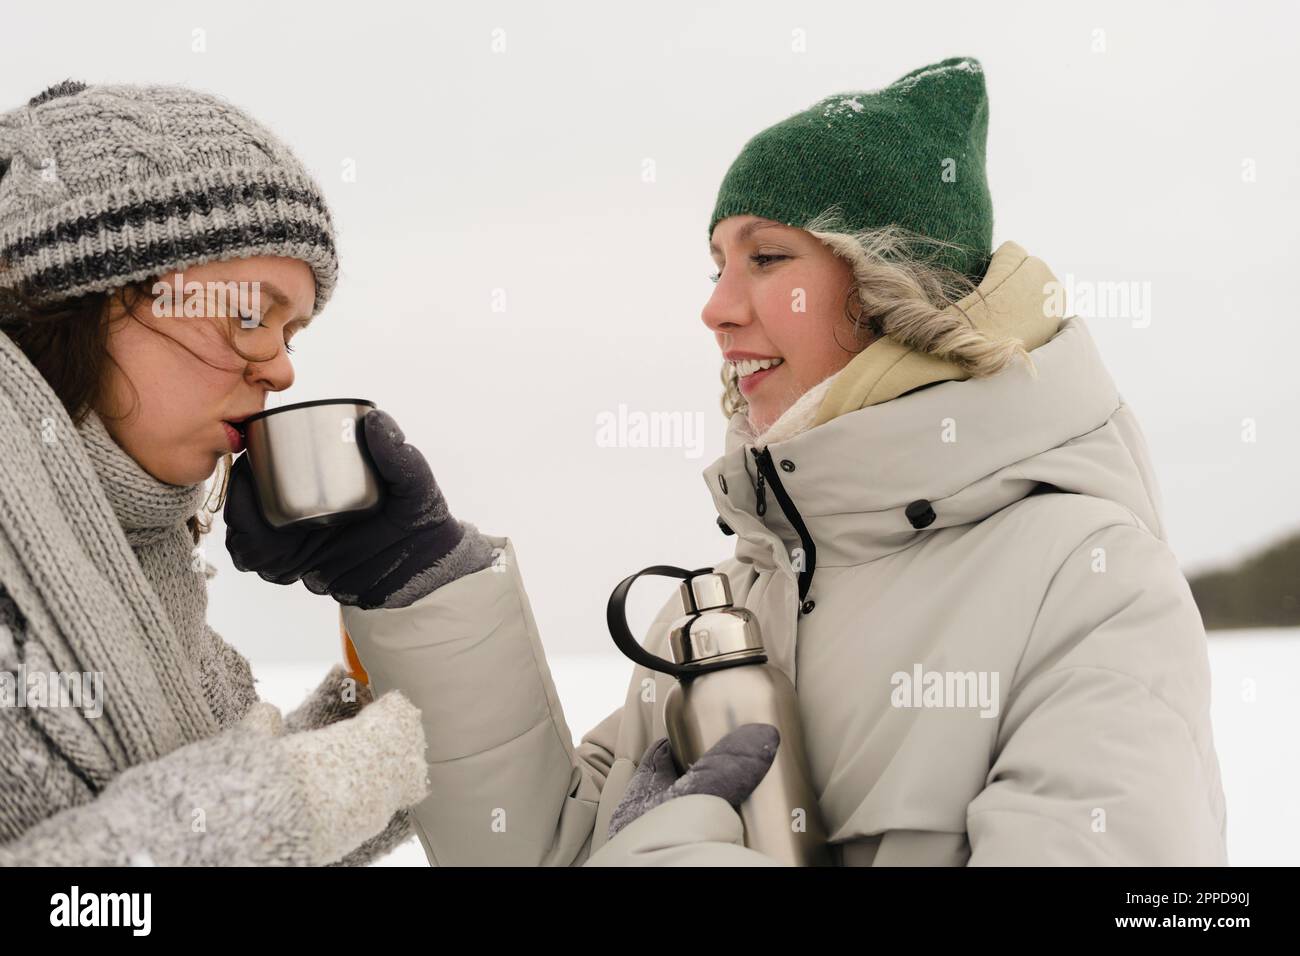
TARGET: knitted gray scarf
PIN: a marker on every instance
(96, 555)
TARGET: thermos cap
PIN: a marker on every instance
(706, 591)
(712, 628)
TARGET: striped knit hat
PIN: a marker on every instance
(101, 186)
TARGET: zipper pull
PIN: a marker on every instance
(761, 486)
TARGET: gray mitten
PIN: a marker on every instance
(250, 795)
(732, 769)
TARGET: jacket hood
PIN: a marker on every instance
(967, 447)
(1009, 302)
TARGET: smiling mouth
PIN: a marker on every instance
(747, 367)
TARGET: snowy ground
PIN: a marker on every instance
(1256, 712)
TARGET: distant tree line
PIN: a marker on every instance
(1262, 590)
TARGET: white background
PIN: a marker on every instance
(523, 171)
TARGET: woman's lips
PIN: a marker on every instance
(234, 438)
(750, 382)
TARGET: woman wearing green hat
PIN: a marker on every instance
(944, 517)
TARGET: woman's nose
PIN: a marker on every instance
(727, 308)
(276, 374)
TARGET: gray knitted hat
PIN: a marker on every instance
(101, 186)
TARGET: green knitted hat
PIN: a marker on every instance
(910, 154)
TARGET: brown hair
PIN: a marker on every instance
(67, 342)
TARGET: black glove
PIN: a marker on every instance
(732, 769)
(391, 558)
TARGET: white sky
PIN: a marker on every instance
(522, 171)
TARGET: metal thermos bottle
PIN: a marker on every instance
(723, 682)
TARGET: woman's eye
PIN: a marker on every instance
(759, 259)
(255, 322)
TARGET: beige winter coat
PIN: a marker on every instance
(1043, 579)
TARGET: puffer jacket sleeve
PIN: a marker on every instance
(507, 785)
(1105, 752)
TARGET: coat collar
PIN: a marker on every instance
(1010, 302)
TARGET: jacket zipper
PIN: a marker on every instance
(767, 473)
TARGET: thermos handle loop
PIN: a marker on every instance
(616, 616)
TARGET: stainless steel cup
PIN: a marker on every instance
(310, 464)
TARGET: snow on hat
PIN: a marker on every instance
(910, 154)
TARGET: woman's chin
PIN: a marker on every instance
(182, 473)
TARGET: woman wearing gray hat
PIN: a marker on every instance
(130, 731)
